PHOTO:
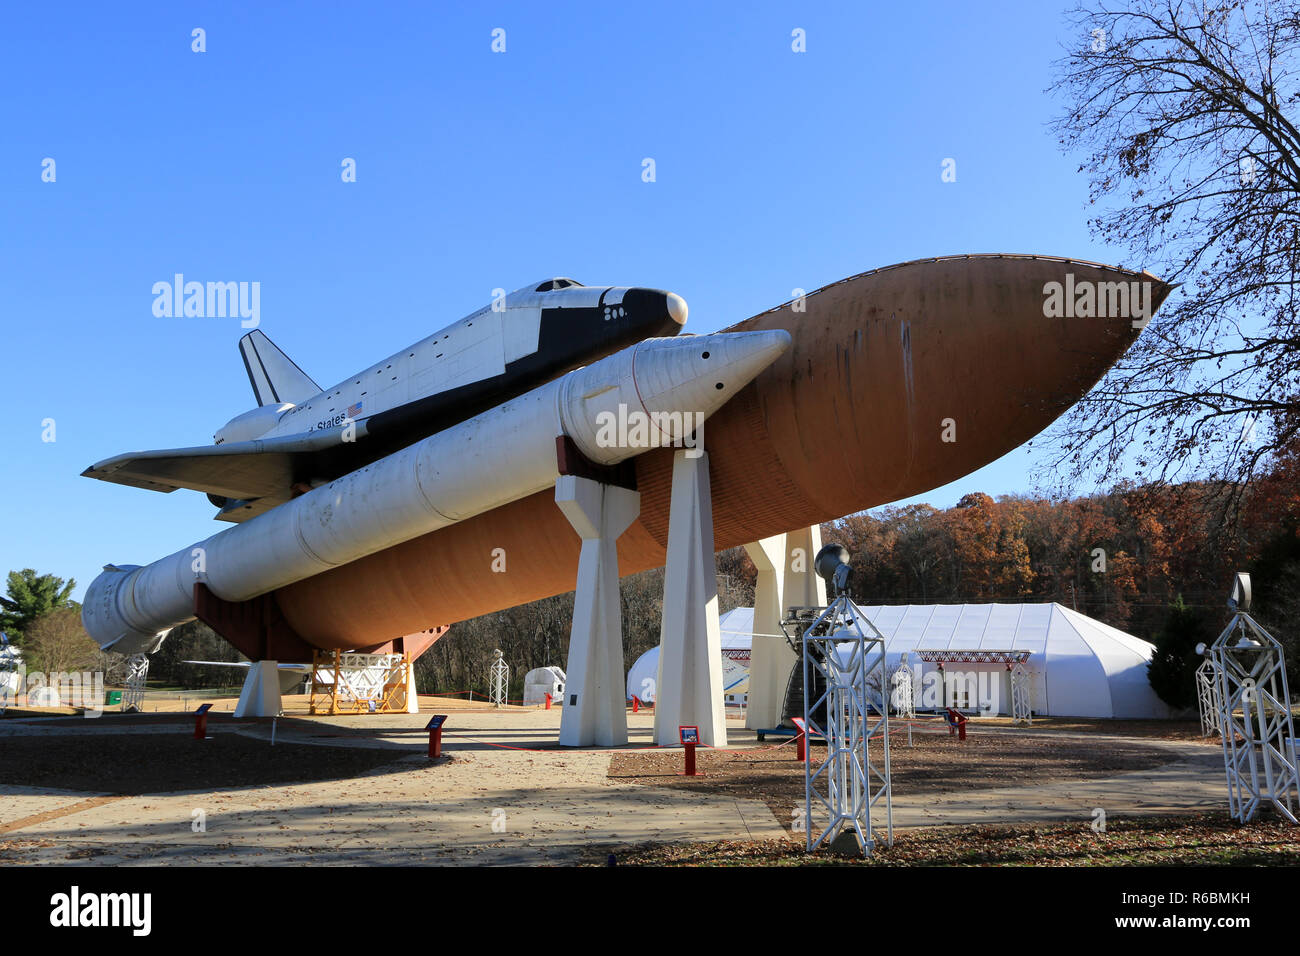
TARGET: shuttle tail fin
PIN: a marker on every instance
(274, 376)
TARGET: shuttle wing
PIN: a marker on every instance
(298, 668)
(261, 468)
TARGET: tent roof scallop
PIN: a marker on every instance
(1082, 667)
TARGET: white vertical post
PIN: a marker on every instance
(786, 578)
(688, 690)
(260, 696)
(594, 711)
(804, 587)
(412, 695)
(770, 657)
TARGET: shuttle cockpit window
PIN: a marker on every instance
(553, 285)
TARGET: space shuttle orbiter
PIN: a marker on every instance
(301, 436)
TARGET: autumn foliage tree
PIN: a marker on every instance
(1184, 112)
(56, 642)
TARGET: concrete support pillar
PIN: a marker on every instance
(594, 704)
(261, 694)
(786, 578)
(803, 586)
(689, 688)
(412, 697)
(770, 657)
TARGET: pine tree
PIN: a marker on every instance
(1172, 670)
(30, 596)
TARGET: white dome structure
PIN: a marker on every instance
(736, 627)
(1079, 667)
(541, 681)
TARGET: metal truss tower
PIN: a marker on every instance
(137, 671)
(846, 703)
(1254, 714)
(1207, 698)
(498, 679)
(1022, 708)
(903, 694)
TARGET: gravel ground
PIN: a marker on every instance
(935, 764)
(1205, 839)
(1157, 729)
(132, 764)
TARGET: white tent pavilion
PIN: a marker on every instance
(1079, 667)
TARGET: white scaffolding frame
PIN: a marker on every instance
(1017, 663)
(1255, 720)
(344, 682)
(137, 672)
(1207, 698)
(903, 694)
(843, 657)
(498, 679)
(1022, 708)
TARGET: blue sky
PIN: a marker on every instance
(475, 170)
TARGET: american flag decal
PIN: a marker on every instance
(354, 410)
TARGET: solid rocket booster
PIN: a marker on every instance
(651, 395)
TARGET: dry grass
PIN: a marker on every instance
(1203, 839)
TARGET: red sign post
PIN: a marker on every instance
(690, 737)
(201, 722)
(800, 740)
(434, 727)
(956, 723)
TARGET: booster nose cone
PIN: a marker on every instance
(670, 387)
(677, 308)
(701, 373)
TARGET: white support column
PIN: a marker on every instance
(412, 695)
(594, 704)
(786, 578)
(770, 658)
(688, 691)
(804, 587)
(261, 694)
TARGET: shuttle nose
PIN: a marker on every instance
(655, 312)
(677, 308)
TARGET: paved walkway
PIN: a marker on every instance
(487, 805)
(507, 796)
